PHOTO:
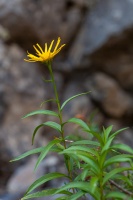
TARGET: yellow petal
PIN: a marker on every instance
(51, 45)
(46, 47)
(39, 48)
(58, 42)
(36, 49)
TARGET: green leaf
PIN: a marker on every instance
(76, 196)
(42, 112)
(80, 122)
(106, 133)
(80, 148)
(93, 183)
(84, 186)
(125, 179)
(28, 153)
(51, 124)
(45, 193)
(49, 100)
(46, 150)
(111, 174)
(84, 174)
(118, 195)
(35, 131)
(43, 180)
(85, 142)
(117, 132)
(98, 136)
(84, 156)
(122, 147)
(107, 145)
(62, 198)
(73, 98)
(118, 159)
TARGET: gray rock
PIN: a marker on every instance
(78, 105)
(107, 19)
(22, 92)
(105, 90)
(25, 175)
(51, 19)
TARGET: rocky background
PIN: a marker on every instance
(98, 57)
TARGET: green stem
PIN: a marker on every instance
(60, 116)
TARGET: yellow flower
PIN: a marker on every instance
(46, 55)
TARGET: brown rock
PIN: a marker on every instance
(22, 91)
(39, 21)
(105, 90)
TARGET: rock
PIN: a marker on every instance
(104, 24)
(51, 19)
(105, 91)
(78, 105)
(22, 91)
(8, 196)
(25, 175)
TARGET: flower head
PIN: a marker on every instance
(47, 54)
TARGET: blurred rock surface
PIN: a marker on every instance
(98, 57)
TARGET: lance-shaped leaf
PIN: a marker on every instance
(73, 98)
(116, 195)
(80, 148)
(43, 180)
(46, 150)
(51, 124)
(107, 145)
(62, 198)
(75, 196)
(106, 133)
(49, 100)
(122, 147)
(111, 174)
(93, 183)
(44, 193)
(86, 157)
(98, 136)
(118, 159)
(28, 153)
(85, 142)
(117, 132)
(83, 186)
(42, 112)
(79, 122)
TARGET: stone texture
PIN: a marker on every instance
(21, 91)
(113, 100)
(105, 21)
(51, 19)
(98, 57)
(25, 175)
